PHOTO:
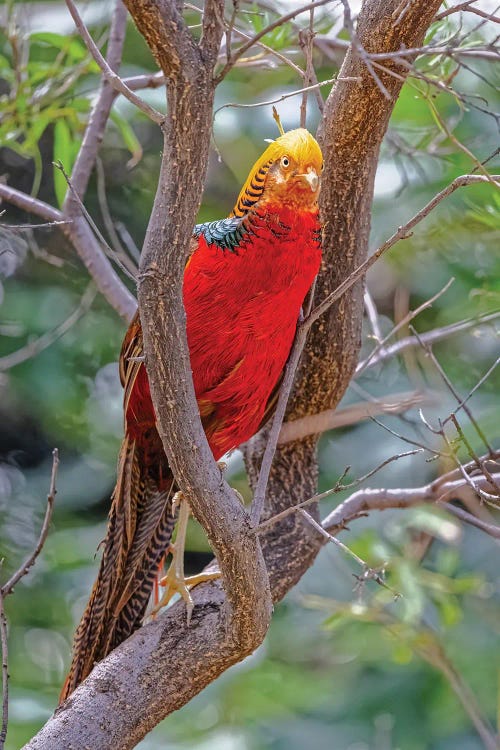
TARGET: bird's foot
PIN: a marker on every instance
(180, 585)
(175, 582)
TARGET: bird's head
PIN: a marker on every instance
(288, 173)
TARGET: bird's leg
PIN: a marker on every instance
(175, 582)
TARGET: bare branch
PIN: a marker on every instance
(274, 432)
(452, 389)
(459, 9)
(338, 487)
(8, 588)
(372, 314)
(99, 115)
(27, 227)
(115, 81)
(471, 520)
(145, 81)
(473, 390)
(282, 97)
(402, 233)
(368, 574)
(401, 324)
(4, 645)
(331, 419)
(430, 337)
(366, 500)
(31, 205)
(86, 246)
(266, 30)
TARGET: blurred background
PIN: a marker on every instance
(343, 666)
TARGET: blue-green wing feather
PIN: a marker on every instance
(225, 233)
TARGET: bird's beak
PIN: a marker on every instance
(312, 179)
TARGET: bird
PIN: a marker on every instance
(244, 285)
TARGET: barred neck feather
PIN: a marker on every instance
(298, 143)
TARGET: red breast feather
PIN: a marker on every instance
(242, 309)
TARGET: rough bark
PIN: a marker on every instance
(354, 123)
(166, 663)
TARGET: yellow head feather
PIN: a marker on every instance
(299, 145)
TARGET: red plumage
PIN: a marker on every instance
(241, 321)
(244, 285)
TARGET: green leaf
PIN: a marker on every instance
(129, 138)
(63, 152)
(73, 46)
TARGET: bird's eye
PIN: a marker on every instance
(285, 161)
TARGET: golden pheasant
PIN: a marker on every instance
(244, 285)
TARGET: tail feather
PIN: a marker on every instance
(139, 530)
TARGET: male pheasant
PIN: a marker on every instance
(244, 285)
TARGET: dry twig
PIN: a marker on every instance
(109, 74)
(8, 587)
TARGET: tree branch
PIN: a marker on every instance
(94, 132)
(79, 234)
(429, 337)
(332, 419)
(8, 588)
(107, 68)
(439, 491)
(403, 233)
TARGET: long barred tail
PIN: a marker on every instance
(139, 530)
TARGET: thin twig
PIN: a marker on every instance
(274, 432)
(5, 673)
(33, 348)
(369, 573)
(403, 232)
(28, 227)
(452, 389)
(372, 314)
(93, 226)
(338, 487)
(8, 587)
(401, 324)
(120, 253)
(473, 390)
(282, 98)
(331, 419)
(266, 30)
(114, 79)
(463, 515)
(456, 9)
(429, 337)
